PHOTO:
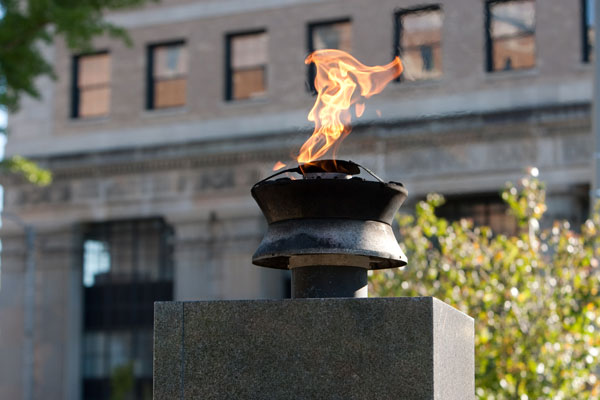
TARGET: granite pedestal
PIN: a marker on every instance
(377, 348)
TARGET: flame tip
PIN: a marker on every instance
(341, 81)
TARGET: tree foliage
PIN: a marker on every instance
(533, 295)
(26, 25)
(29, 170)
(122, 382)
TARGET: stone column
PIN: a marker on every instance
(56, 332)
(380, 348)
(12, 311)
(59, 301)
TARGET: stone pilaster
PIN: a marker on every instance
(57, 316)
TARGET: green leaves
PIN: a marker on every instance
(26, 25)
(534, 294)
(122, 381)
(28, 169)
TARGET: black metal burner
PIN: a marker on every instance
(330, 166)
(329, 227)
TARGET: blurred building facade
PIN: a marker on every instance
(154, 149)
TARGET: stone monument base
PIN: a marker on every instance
(379, 348)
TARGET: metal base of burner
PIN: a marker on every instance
(329, 281)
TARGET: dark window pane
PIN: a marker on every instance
(327, 35)
(249, 50)
(248, 82)
(514, 53)
(169, 75)
(127, 266)
(483, 209)
(119, 350)
(588, 30)
(94, 70)
(248, 61)
(512, 34)
(421, 43)
(591, 40)
(94, 355)
(336, 35)
(94, 102)
(143, 354)
(170, 61)
(96, 389)
(427, 57)
(169, 93)
(96, 261)
(93, 85)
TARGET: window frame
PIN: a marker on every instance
(489, 42)
(310, 47)
(150, 81)
(75, 90)
(398, 14)
(586, 52)
(228, 89)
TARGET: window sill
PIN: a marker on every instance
(585, 66)
(89, 120)
(162, 112)
(419, 83)
(512, 74)
(262, 100)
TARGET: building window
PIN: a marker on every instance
(418, 42)
(328, 35)
(483, 209)
(247, 57)
(167, 75)
(510, 31)
(587, 25)
(127, 266)
(91, 85)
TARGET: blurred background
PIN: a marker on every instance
(154, 147)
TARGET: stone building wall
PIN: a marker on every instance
(467, 132)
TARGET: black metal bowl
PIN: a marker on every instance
(317, 217)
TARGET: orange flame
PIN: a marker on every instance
(359, 109)
(341, 81)
(278, 165)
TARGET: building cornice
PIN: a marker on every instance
(500, 125)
